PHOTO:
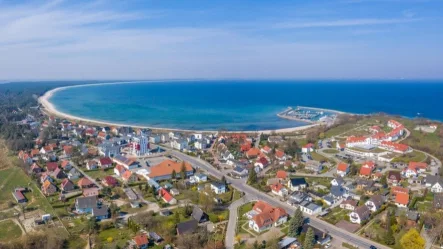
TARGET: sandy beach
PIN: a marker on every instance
(50, 109)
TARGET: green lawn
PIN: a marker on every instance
(325, 181)
(9, 230)
(245, 208)
(318, 157)
(337, 214)
(415, 156)
(111, 238)
(330, 151)
(99, 173)
(339, 130)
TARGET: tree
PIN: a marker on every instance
(295, 223)
(412, 240)
(174, 174)
(177, 217)
(223, 180)
(252, 178)
(183, 171)
(389, 236)
(384, 180)
(309, 239)
(92, 225)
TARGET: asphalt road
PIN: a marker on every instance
(253, 193)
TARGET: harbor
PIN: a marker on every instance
(309, 114)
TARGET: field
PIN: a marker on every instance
(331, 151)
(337, 214)
(9, 230)
(100, 173)
(111, 238)
(318, 157)
(415, 156)
(14, 177)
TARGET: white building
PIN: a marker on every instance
(310, 208)
(140, 145)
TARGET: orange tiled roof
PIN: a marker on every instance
(282, 174)
(342, 166)
(402, 198)
(253, 152)
(141, 240)
(167, 166)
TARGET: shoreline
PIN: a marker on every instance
(50, 110)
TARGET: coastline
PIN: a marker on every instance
(50, 109)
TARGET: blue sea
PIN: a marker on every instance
(244, 105)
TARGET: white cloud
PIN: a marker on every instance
(339, 23)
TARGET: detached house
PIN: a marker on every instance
(85, 183)
(375, 203)
(402, 200)
(297, 184)
(85, 204)
(105, 162)
(393, 177)
(91, 165)
(360, 214)
(166, 196)
(342, 169)
(218, 187)
(308, 148)
(266, 217)
(66, 165)
(48, 188)
(434, 183)
(119, 170)
(110, 181)
(141, 241)
(349, 204)
(280, 155)
(67, 185)
(51, 167)
(279, 189)
(366, 169)
(128, 176)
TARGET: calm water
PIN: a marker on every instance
(244, 105)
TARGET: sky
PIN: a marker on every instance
(221, 39)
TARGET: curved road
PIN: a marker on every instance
(255, 194)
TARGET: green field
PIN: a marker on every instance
(415, 156)
(318, 157)
(9, 230)
(14, 177)
(99, 173)
(337, 214)
(111, 238)
(331, 151)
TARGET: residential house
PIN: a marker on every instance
(66, 165)
(67, 150)
(51, 166)
(297, 184)
(267, 216)
(35, 169)
(308, 148)
(393, 177)
(73, 174)
(343, 169)
(366, 169)
(109, 149)
(187, 227)
(85, 183)
(128, 177)
(125, 162)
(279, 189)
(119, 170)
(374, 203)
(253, 153)
(58, 174)
(110, 181)
(414, 169)
(338, 192)
(298, 197)
(199, 178)
(349, 204)
(289, 243)
(240, 171)
(280, 156)
(266, 149)
(48, 188)
(67, 185)
(310, 208)
(282, 175)
(320, 237)
(100, 213)
(141, 241)
(338, 181)
(199, 215)
(18, 195)
(85, 204)
(218, 187)
(226, 155)
(46, 176)
(105, 162)
(360, 214)
(164, 170)
(397, 190)
(314, 166)
(261, 162)
(401, 200)
(166, 196)
(434, 183)
(91, 165)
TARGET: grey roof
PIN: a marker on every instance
(286, 241)
(239, 169)
(312, 206)
(433, 179)
(197, 213)
(377, 200)
(218, 184)
(339, 180)
(329, 199)
(86, 202)
(337, 191)
(187, 226)
(74, 171)
(363, 212)
(100, 211)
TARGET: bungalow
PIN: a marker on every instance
(166, 196)
(402, 200)
(125, 162)
(164, 170)
(73, 174)
(310, 208)
(67, 185)
(66, 165)
(218, 187)
(128, 177)
(199, 178)
(141, 241)
(297, 184)
(85, 183)
(374, 203)
(360, 214)
(110, 181)
(90, 192)
(199, 215)
(48, 188)
(298, 197)
(18, 195)
(85, 204)
(279, 189)
(51, 166)
(349, 204)
(105, 162)
(342, 169)
(100, 213)
(267, 216)
(35, 169)
(119, 170)
(366, 169)
(308, 148)
(266, 149)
